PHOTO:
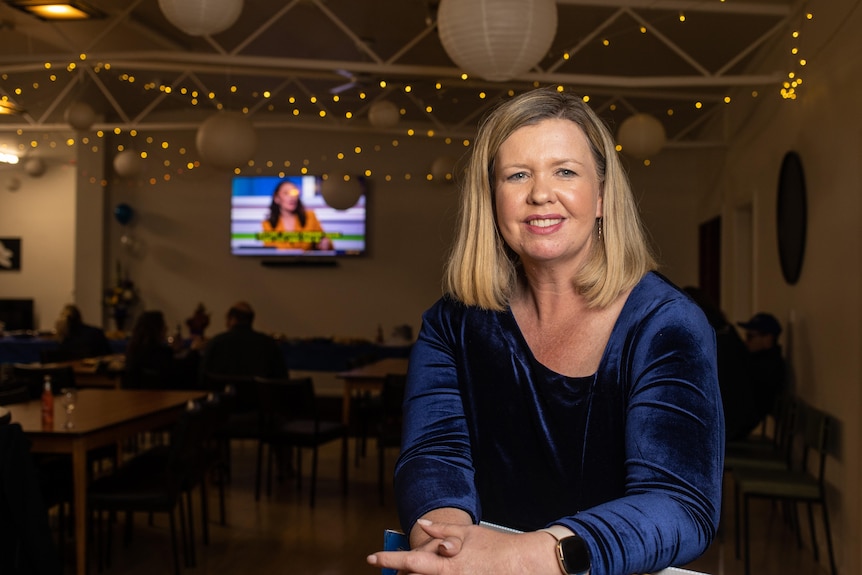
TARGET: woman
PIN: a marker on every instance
(290, 225)
(560, 387)
(154, 364)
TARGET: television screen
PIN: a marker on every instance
(272, 216)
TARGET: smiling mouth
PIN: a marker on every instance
(545, 223)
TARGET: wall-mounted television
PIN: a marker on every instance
(289, 218)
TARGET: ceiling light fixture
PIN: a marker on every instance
(45, 10)
(10, 108)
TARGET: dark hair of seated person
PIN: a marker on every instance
(240, 314)
(76, 339)
(151, 362)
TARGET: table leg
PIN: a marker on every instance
(345, 405)
(79, 490)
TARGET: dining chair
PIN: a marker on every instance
(365, 407)
(802, 482)
(26, 543)
(238, 394)
(289, 419)
(14, 393)
(33, 376)
(765, 450)
(389, 423)
(153, 485)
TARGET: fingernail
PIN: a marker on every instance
(448, 545)
(423, 522)
(372, 559)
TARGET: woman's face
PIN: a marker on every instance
(287, 197)
(547, 193)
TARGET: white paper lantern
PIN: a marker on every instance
(226, 139)
(35, 167)
(443, 169)
(497, 39)
(641, 136)
(128, 163)
(383, 114)
(201, 17)
(80, 116)
(341, 192)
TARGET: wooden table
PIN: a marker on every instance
(102, 417)
(368, 378)
(105, 371)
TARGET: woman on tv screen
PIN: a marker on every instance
(290, 224)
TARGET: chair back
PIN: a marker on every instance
(283, 400)
(15, 393)
(240, 390)
(813, 431)
(33, 377)
(187, 440)
(391, 417)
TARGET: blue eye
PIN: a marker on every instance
(517, 176)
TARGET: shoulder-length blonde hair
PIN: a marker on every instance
(482, 271)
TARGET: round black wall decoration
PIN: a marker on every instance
(792, 217)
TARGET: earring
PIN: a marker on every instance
(599, 226)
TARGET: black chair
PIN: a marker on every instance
(155, 485)
(289, 419)
(238, 396)
(213, 458)
(766, 450)
(365, 408)
(390, 423)
(26, 544)
(802, 482)
(33, 377)
(14, 393)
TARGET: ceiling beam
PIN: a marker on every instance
(239, 65)
(749, 8)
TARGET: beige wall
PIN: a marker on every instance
(183, 255)
(42, 213)
(822, 311)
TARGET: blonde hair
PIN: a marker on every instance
(482, 270)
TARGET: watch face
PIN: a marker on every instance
(575, 555)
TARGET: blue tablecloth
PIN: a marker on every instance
(28, 349)
(307, 355)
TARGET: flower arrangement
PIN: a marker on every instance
(120, 297)
(199, 321)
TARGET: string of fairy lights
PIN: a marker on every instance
(165, 159)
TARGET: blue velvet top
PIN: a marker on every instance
(630, 458)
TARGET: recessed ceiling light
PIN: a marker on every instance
(45, 10)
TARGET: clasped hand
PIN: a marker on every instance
(453, 549)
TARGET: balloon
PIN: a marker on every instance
(123, 213)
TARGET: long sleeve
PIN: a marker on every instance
(630, 459)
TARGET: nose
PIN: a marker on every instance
(541, 191)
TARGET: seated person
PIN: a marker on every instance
(77, 339)
(290, 224)
(151, 363)
(741, 411)
(768, 369)
(241, 350)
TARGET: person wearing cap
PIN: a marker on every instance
(768, 369)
